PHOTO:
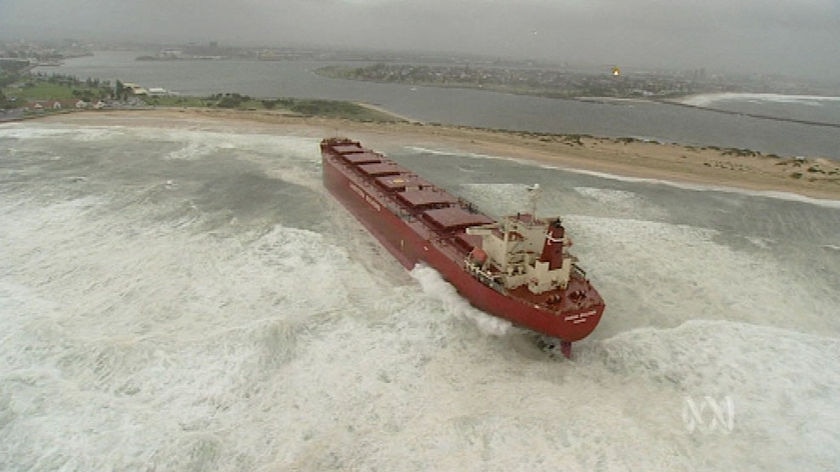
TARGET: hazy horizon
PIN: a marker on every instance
(796, 38)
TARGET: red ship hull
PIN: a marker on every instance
(404, 229)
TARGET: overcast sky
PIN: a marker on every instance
(795, 37)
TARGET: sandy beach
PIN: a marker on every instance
(814, 177)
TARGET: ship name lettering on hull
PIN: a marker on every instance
(366, 197)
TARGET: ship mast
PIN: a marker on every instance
(533, 197)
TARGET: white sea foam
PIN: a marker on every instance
(74, 133)
(689, 275)
(618, 200)
(434, 285)
(98, 133)
(24, 131)
(711, 98)
(136, 336)
(472, 155)
(505, 199)
(759, 369)
(709, 188)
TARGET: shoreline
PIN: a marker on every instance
(623, 157)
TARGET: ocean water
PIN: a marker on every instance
(187, 299)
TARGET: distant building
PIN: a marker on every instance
(41, 105)
(55, 105)
(134, 89)
(170, 54)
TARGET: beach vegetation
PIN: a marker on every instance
(61, 87)
(7, 78)
(178, 101)
(291, 106)
(232, 100)
(333, 109)
(270, 104)
(738, 152)
(11, 69)
(573, 139)
(5, 102)
(119, 90)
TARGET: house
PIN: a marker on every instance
(56, 105)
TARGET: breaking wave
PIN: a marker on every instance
(218, 311)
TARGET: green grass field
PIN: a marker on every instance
(42, 90)
(39, 91)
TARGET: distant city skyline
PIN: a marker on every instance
(796, 38)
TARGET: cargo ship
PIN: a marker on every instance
(518, 267)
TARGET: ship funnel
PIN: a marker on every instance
(553, 248)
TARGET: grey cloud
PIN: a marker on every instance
(796, 36)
